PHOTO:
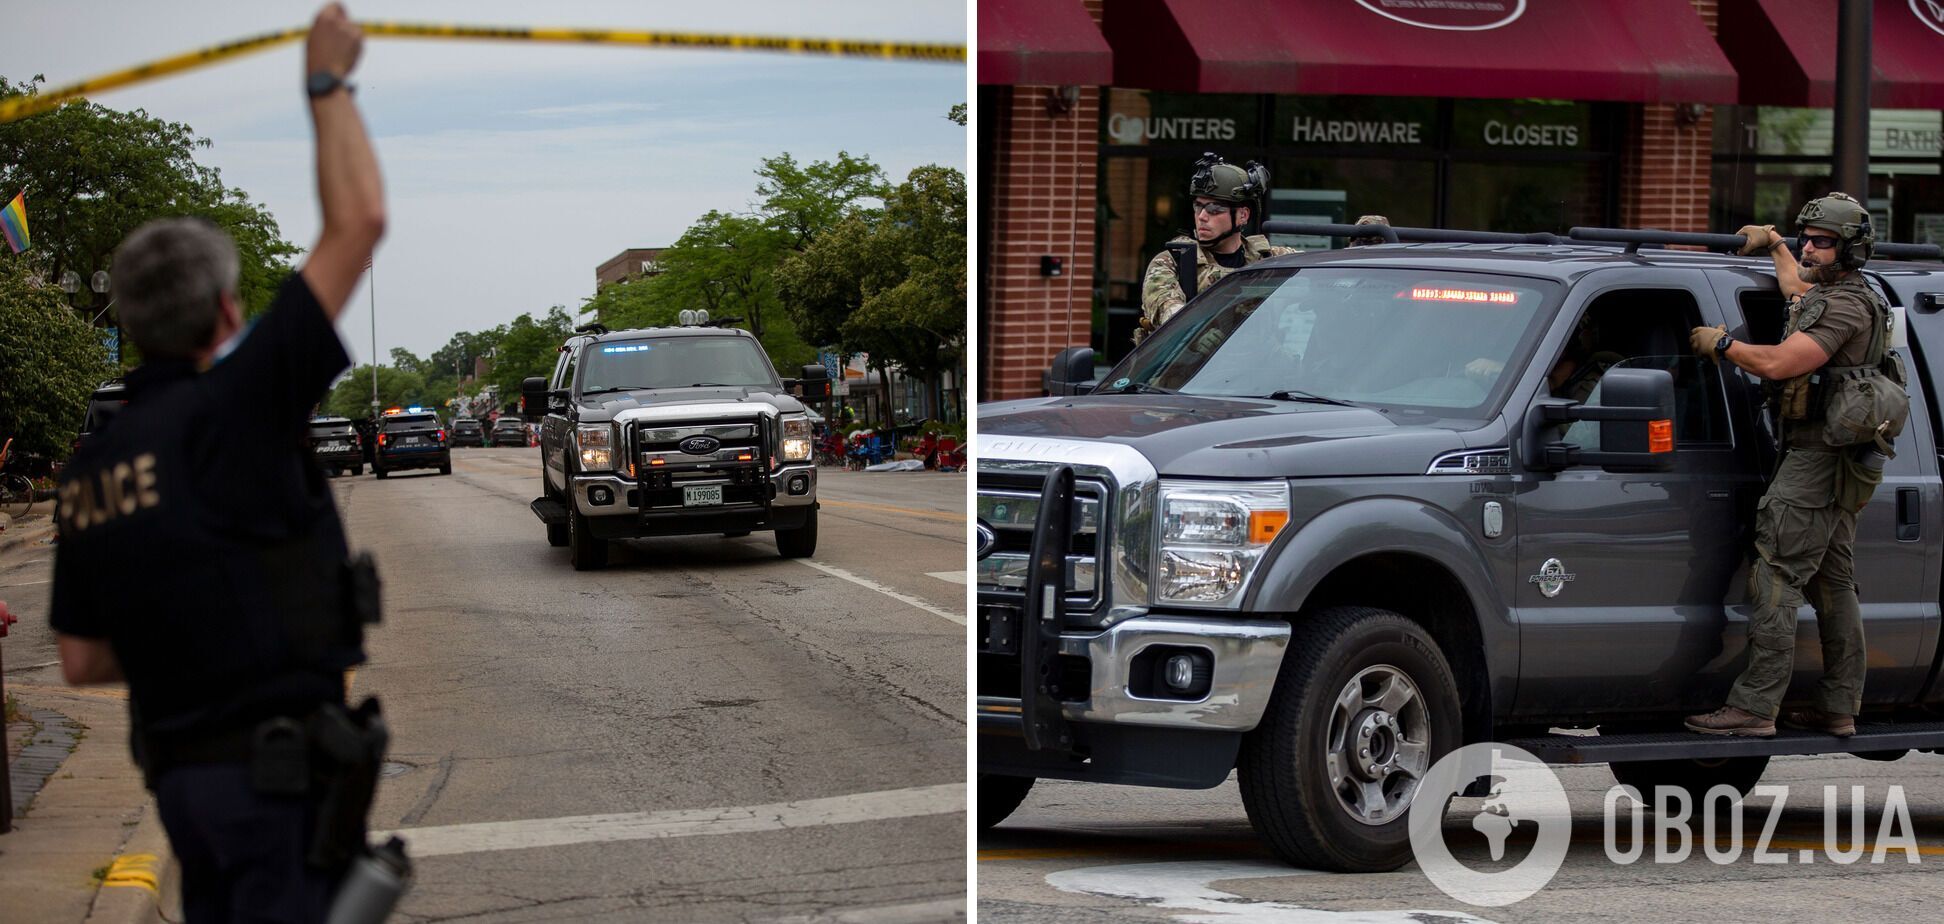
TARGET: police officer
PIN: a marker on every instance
(201, 558)
(1224, 198)
(1804, 538)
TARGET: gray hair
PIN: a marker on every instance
(169, 279)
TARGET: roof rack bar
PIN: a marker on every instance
(1324, 229)
(1910, 251)
(1729, 242)
(1392, 235)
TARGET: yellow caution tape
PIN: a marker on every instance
(134, 871)
(20, 107)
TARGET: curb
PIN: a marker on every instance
(20, 533)
(143, 881)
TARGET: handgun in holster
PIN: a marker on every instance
(349, 749)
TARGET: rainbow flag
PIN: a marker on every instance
(13, 223)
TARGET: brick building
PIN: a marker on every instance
(632, 263)
(1502, 115)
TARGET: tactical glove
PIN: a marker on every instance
(1703, 340)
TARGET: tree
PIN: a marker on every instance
(529, 347)
(803, 201)
(50, 361)
(351, 397)
(957, 114)
(94, 174)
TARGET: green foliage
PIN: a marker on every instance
(396, 388)
(50, 360)
(529, 347)
(94, 174)
(957, 114)
(802, 201)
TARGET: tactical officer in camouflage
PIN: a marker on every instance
(1225, 199)
(1805, 535)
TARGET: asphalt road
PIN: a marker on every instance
(702, 731)
(1078, 852)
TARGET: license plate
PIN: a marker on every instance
(414, 440)
(702, 495)
(999, 630)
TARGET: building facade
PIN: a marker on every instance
(1502, 115)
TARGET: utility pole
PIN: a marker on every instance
(1851, 170)
(372, 278)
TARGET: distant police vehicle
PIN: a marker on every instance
(334, 444)
(107, 400)
(411, 438)
(673, 431)
(1350, 510)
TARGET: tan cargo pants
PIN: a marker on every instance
(1805, 547)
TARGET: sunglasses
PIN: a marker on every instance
(1212, 208)
(1819, 241)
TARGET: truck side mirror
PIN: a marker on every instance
(1636, 418)
(815, 382)
(533, 398)
(1072, 372)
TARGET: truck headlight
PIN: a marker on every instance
(1213, 535)
(596, 444)
(796, 439)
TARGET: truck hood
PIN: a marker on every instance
(1233, 437)
(597, 407)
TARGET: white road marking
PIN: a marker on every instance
(1186, 886)
(480, 837)
(955, 577)
(27, 583)
(869, 584)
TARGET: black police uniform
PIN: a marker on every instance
(199, 538)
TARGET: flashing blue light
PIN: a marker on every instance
(635, 348)
(415, 409)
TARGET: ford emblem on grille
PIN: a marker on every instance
(701, 445)
(988, 540)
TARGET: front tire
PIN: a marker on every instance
(587, 551)
(445, 468)
(357, 470)
(1363, 706)
(800, 542)
(1000, 796)
(557, 535)
(379, 471)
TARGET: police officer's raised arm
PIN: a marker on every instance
(348, 185)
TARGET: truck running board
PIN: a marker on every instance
(550, 511)
(1675, 745)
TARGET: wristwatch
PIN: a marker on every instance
(1721, 346)
(324, 83)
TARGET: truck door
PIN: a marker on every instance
(1624, 576)
(556, 429)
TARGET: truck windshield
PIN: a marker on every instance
(674, 362)
(1391, 338)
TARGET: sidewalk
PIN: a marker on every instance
(86, 843)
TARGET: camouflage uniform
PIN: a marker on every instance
(1804, 540)
(1161, 292)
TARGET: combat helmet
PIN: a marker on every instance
(1217, 179)
(1841, 213)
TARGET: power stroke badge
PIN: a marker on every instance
(1552, 578)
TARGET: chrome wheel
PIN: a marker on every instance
(1379, 744)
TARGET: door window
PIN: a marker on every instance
(1643, 329)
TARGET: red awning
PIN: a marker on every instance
(1634, 50)
(1786, 52)
(1041, 41)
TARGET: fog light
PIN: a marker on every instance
(600, 497)
(799, 485)
(1181, 673)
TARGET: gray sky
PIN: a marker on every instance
(513, 169)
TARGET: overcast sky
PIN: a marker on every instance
(512, 170)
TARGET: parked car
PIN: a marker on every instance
(408, 440)
(468, 432)
(1339, 516)
(107, 400)
(509, 431)
(335, 445)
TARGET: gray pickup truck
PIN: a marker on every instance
(672, 431)
(1350, 510)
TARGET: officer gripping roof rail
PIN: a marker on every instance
(1377, 518)
(235, 608)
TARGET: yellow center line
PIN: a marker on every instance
(887, 508)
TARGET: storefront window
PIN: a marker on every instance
(1147, 118)
(1522, 126)
(1338, 190)
(1768, 160)
(1526, 197)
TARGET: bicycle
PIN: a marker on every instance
(15, 488)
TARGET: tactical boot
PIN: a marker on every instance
(1816, 720)
(1732, 721)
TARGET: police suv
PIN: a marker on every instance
(672, 431)
(1344, 514)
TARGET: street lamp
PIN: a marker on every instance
(98, 284)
